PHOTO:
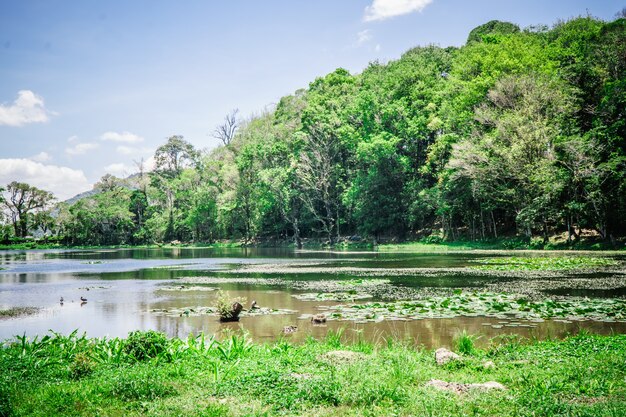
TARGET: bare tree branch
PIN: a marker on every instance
(226, 131)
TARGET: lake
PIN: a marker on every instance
(425, 298)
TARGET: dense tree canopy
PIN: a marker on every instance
(519, 132)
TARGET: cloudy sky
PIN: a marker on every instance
(87, 87)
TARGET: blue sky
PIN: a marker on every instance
(88, 87)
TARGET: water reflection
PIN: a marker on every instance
(124, 286)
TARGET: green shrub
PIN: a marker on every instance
(82, 365)
(142, 346)
(224, 305)
(465, 343)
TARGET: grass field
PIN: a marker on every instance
(150, 374)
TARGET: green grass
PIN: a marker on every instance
(505, 243)
(584, 375)
(41, 245)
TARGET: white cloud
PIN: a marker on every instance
(377, 47)
(126, 150)
(363, 36)
(385, 9)
(131, 150)
(72, 139)
(41, 157)
(80, 148)
(119, 170)
(126, 137)
(64, 182)
(27, 108)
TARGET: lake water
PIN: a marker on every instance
(162, 289)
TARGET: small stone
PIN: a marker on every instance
(443, 356)
(489, 385)
(459, 388)
(447, 386)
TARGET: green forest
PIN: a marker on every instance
(519, 132)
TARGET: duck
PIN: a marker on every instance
(61, 300)
(83, 299)
(254, 306)
(290, 329)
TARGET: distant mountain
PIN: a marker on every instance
(131, 182)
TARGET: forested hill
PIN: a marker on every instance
(518, 132)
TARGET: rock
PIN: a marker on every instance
(290, 329)
(254, 305)
(341, 356)
(489, 385)
(443, 356)
(318, 319)
(489, 365)
(459, 388)
(448, 386)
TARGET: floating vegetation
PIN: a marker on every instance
(95, 287)
(18, 311)
(178, 266)
(318, 285)
(506, 267)
(183, 288)
(552, 263)
(93, 262)
(332, 296)
(505, 306)
(213, 311)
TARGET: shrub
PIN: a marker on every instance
(465, 343)
(145, 345)
(81, 366)
(227, 307)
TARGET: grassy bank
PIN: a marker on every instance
(424, 245)
(149, 374)
(41, 245)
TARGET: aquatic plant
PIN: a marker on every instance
(228, 308)
(488, 304)
(18, 311)
(551, 263)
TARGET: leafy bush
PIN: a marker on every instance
(145, 345)
(432, 239)
(224, 305)
(82, 365)
(465, 343)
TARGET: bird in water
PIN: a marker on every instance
(290, 329)
(83, 299)
(254, 306)
(61, 300)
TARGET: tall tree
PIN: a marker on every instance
(23, 201)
